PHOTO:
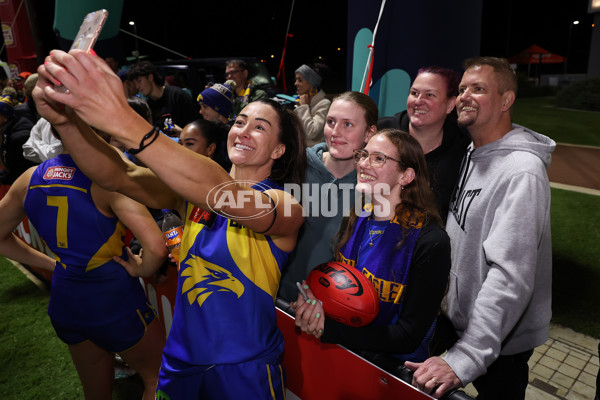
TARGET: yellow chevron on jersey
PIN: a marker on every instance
(112, 246)
(202, 278)
(248, 249)
(58, 185)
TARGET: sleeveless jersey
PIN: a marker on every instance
(88, 287)
(228, 280)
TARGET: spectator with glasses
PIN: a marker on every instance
(398, 241)
(245, 91)
(331, 178)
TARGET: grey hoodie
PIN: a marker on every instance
(499, 298)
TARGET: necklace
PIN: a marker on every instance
(375, 234)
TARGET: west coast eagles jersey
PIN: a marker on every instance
(87, 285)
(228, 280)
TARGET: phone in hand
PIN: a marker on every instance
(90, 30)
(88, 33)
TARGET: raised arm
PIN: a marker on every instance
(95, 94)
(110, 169)
(11, 214)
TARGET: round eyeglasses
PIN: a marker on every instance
(376, 159)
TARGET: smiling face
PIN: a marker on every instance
(192, 138)
(427, 102)
(253, 139)
(479, 104)
(302, 87)
(209, 113)
(385, 180)
(346, 129)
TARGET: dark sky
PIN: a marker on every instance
(510, 26)
(257, 28)
(201, 28)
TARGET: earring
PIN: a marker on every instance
(401, 187)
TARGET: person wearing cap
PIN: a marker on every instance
(216, 102)
(312, 105)
(14, 95)
(245, 90)
(20, 83)
(14, 132)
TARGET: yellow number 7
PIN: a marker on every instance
(61, 219)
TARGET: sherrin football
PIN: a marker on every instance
(347, 295)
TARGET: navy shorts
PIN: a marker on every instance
(249, 380)
(116, 337)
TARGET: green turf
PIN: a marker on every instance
(562, 125)
(35, 364)
(576, 258)
(575, 216)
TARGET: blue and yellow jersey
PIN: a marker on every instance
(228, 280)
(87, 285)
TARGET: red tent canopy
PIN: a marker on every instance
(534, 54)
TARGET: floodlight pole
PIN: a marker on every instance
(569, 43)
(136, 53)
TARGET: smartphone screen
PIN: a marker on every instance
(90, 30)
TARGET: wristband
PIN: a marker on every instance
(152, 135)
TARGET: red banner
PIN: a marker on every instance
(18, 38)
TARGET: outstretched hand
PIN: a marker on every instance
(310, 316)
(90, 88)
(433, 376)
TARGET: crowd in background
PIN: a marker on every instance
(458, 245)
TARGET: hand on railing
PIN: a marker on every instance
(385, 361)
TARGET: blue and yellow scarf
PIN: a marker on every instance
(373, 249)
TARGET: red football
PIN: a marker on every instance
(347, 295)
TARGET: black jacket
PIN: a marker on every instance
(14, 134)
(444, 162)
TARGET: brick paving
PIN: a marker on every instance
(565, 367)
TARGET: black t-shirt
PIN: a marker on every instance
(13, 136)
(176, 104)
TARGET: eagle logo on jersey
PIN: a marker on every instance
(202, 278)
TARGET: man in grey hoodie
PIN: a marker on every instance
(499, 297)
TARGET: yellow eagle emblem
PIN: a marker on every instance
(203, 278)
